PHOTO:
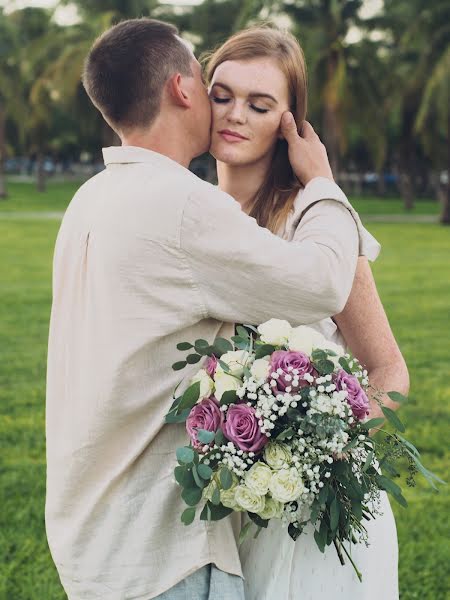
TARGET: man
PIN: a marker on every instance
(148, 255)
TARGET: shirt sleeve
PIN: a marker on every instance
(244, 273)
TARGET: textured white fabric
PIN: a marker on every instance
(149, 255)
(275, 567)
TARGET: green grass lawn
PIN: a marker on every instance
(412, 276)
(58, 195)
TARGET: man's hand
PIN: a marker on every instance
(307, 154)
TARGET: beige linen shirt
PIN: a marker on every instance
(149, 255)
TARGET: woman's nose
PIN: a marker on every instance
(236, 113)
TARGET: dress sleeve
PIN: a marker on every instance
(367, 244)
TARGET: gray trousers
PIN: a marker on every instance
(208, 583)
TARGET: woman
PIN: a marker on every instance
(255, 77)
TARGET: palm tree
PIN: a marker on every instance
(342, 75)
(11, 99)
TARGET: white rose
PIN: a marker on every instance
(228, 497)
(257, 478)
(236, 360)
(304, 339)
(277, 455)
(225, 383)
(248, 500)
(275, 331)
(286, 485)
(206, 384)
(326, 345)
(272, 510)
(260, 368)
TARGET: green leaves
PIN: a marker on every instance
(204, 471)
(264, 350)
(244, 532)
(334, 514)
(191, 496)
(324, 367)
(226, 478)
(190, 397)
(188, 516)
(397, 397)
(344, 364)
(223, 346)
(387, 484)
(371, 423)
(205, 437)
(179, 365)
(185, 455)
(229, 397)
(393, 418)
(192, 359)
(184, 346)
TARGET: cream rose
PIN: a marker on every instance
(286, 485)
(257, 478)
(236, 360)
(260, 368)
(248, 500)
(272, 510)
(228, 497)
(206, 384)
(278, 455)
(275, 331)
(305, 339)
(225, 383)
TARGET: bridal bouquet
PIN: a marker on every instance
(278, 428)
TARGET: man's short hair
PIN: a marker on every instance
(127, 68)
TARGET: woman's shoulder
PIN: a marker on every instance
(319, 189)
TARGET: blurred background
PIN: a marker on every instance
(379, 75)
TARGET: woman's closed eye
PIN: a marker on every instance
(219, 100)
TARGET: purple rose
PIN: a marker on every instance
(241, 427)
(356, 396)
(289, 361)
(211, 365)
(204, 415)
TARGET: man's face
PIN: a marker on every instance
(201, 109)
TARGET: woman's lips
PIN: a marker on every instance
(232, 137)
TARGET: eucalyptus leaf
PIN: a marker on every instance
(223, 345)
(220, 438)
(264, 350)
(324, 367)
(204, 471)
(185, 455)
(173, 417)
(318, 355)
(397, 397)
(204, 436)
(215, 498)
(242, 332)
(191, 496)
(179, 365)
(393, 418)
(229, 397)
(190, 396)
(371, 423)
(258, 520)
(205, 515)
(294, 532)
(344, 364)
(334, 514)
(188, 516)
(224, 366)
(245, 532)
(219, 512)
(287, 433)
(192, 359)
(184, 346)
(368, 460)
(226, 478)
(198, 480)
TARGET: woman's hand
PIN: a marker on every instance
(307, 155)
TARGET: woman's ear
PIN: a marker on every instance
(178, 91)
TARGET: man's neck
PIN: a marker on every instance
(164, 140)
(242, 181)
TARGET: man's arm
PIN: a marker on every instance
(244, 273)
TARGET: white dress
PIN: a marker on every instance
(277, 568)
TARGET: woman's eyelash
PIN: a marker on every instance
(225, 100)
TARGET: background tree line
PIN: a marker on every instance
(379, 86)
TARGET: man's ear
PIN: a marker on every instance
(178, 91)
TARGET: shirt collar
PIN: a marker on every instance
(135, 154)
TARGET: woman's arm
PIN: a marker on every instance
(367, 332)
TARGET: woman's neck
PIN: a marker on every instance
(241, 181)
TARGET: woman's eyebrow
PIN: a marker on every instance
(251, 95)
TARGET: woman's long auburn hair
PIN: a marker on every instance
(275, 198)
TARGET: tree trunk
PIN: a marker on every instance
(3, 192)
(40, 173)
(331, 119)
(445, 197)
(381, 183)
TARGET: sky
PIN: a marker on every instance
(66, 15)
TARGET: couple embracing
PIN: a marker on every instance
(148, 255)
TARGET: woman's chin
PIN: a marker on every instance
(227, 155)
